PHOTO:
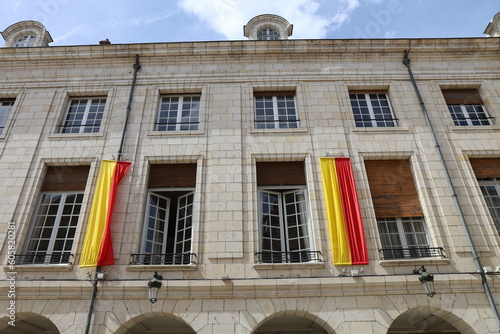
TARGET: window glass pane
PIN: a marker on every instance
(83, 116)
(371, 110)
(178, 113)
(53, 227)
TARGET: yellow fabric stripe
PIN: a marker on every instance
(336, 222)
(97, 219)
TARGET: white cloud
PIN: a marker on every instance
(311, 18)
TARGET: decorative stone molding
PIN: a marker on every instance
(493, 28)
(18, 30)
(275, 22)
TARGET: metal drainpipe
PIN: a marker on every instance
(475, 256)
(137, 67)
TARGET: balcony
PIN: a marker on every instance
(163, 259)
(289, 257)
(43, 258)
(412, 253)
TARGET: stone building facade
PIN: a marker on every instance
(203, 124)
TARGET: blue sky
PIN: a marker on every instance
(76, 22)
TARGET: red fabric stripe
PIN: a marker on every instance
(352, 213)
(106, 256)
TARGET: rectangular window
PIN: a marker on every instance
(372, 109)
(284, 223)
(179, 113)
(6, 106)
(54, 224)
(168, 220)
(399, 215)
(466, 107)
(275, 110)
(487, 172)
(84, 115)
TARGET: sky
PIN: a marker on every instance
(84, 22)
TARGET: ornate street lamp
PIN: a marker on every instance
(426, 279)
(154, 287)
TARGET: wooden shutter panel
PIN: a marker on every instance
(392, 188)
(280, 173)
(172, 175)
(274, 93)
(486, 168)
(462, 96)
(66, 178)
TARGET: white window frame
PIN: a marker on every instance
(403, 235)
(461, 114)
(490, 195)
(80, 126)
(274, 118)
(183, 222)
(285, 253)
(25, 41)
(268, 34)
(6, 106)
(180, 124)
(32, 246)
(373, 121)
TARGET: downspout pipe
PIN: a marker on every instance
(137, 67)
(475, 256)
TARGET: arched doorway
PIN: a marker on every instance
(424, 320)
(160, 325)
(28, 323)
(290, 325)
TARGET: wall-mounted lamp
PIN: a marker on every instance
(427, 280)
(154, 287)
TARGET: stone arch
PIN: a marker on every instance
(28, 323)
(429, 320)
(152, 321)
(296, 320)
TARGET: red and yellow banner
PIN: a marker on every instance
(344, 216)
(97, 247)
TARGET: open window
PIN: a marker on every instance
(56, 215)
(168, 218)
(284, 219)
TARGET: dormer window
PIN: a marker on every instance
(25, 41)
(26, 34)
(267, 27)
(268, 34)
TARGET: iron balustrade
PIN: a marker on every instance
(289, 257)
(412, 253)
(43, 258)
(163, 259)
(289, 122)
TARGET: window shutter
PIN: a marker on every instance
(462, 96)
(280, 173)
(392, 188)
(66, 178)
(172, 175)
(486, 168)
(274, 93)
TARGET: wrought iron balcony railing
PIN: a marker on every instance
(289, 257)
(163, 259)
(43, 258)
(412, 253)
